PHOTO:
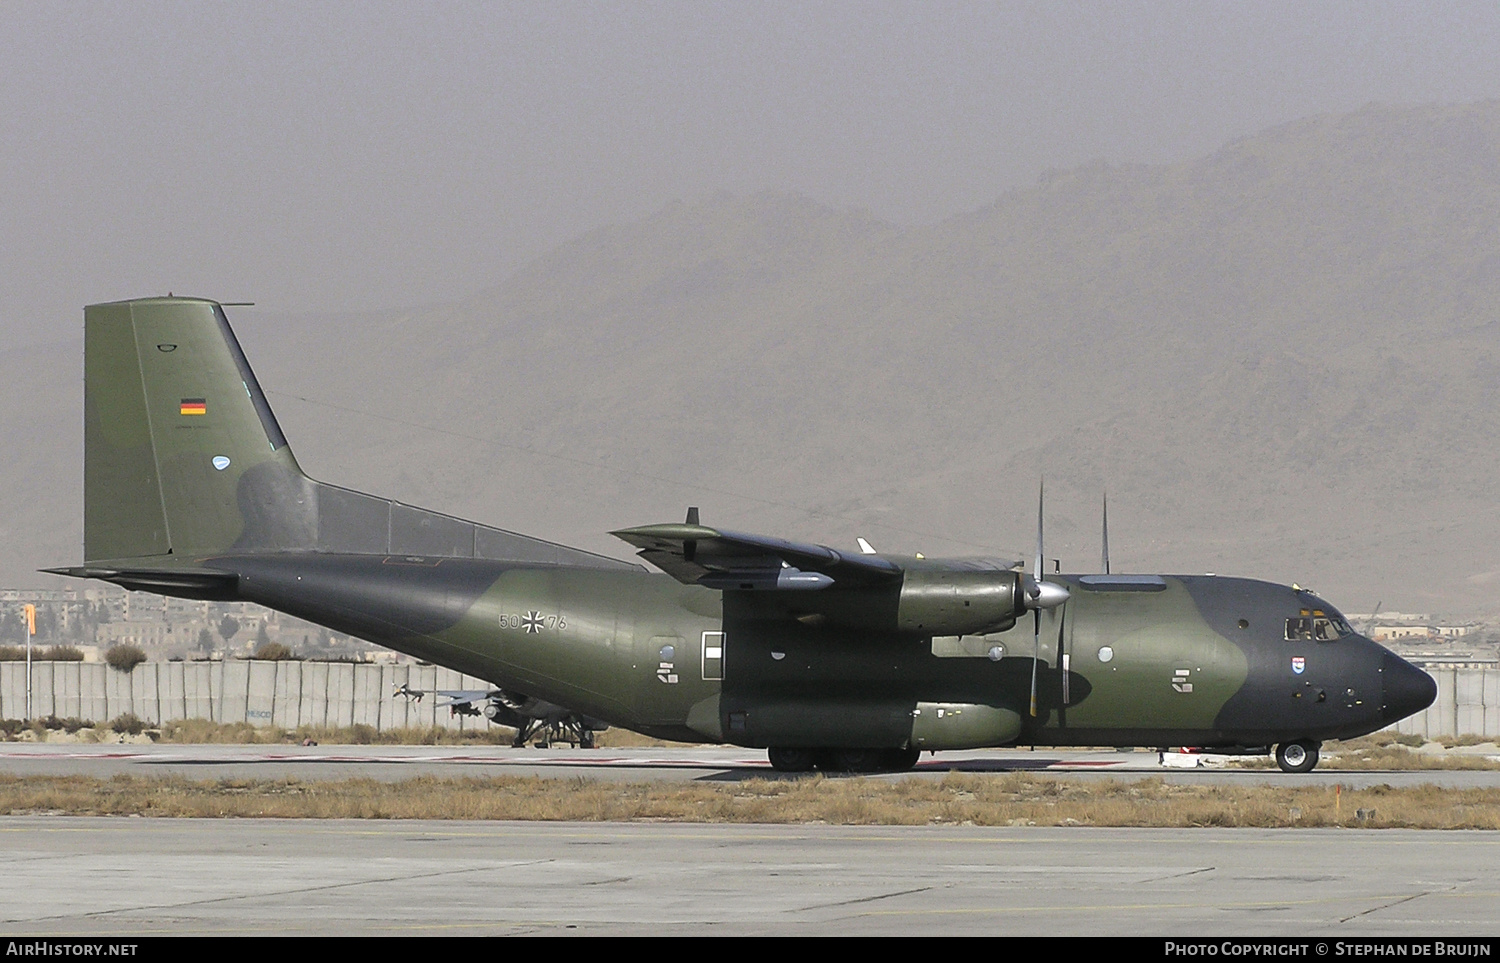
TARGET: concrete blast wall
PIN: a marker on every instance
(287, 694)
(1468, 702)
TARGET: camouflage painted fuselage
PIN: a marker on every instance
(1197, 660)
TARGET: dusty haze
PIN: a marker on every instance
(826, 272)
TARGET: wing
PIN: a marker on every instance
(716, 558)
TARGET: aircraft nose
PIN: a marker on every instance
(1405, 689)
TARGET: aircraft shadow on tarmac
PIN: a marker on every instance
(740, 773)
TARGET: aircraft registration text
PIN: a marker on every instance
(532, 622)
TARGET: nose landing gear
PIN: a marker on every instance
(1298, 756)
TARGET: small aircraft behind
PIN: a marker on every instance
(528, 715)
(829, 660)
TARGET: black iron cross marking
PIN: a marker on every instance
(532, 622)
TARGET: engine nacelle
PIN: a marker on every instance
(959, 601)
(950, 725)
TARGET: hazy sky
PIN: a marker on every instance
(332, 156)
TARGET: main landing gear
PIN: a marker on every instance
(570, 729)
(843, 760)
(1299, 756)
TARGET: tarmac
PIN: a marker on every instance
(124, 876)
(118, 877)
(669, 764)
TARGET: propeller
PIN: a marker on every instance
(1040, 595)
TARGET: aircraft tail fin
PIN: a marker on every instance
(182, 454)
(183, 457)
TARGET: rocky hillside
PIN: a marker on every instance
(1282, 360)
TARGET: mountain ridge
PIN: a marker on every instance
(1280, 358)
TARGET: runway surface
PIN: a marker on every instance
(717, 763)
(121, 876)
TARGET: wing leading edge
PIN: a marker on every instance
(716, 558)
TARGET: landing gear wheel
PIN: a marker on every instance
(586, 739)
(792, 760)
(851, 760)
(1299, 756)
(900, 760)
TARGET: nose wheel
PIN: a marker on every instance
(1299, 756)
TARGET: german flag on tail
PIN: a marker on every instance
(194, 406)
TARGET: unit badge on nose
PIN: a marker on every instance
(1298, 664)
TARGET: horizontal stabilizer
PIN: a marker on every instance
(191, 583)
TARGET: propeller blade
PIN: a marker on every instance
(1040, 594)
(1062, 657)
(1041, 496)
(1036, 654)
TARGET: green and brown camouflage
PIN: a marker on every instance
(828, 659)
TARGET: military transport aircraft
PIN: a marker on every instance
(831, 660)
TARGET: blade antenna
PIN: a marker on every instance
(1104, 553)
(690, 545)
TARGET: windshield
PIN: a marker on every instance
(1317, 625)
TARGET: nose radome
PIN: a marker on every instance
(1406, 689)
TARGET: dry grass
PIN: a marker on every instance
(617, 738)
(1385, 751)
(1402, 758)
(1467, 739)
(200, 731)
(981, 800)
(1391, 751)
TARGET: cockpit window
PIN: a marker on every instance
(1316, 626)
